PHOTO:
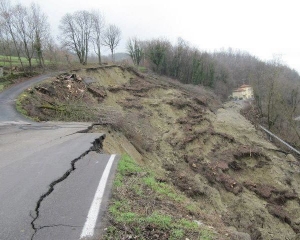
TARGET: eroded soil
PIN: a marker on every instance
(241, 185)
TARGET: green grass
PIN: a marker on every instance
(206, 235)
(142, 69)
(191, 207)
(19, 107)
(162, 188)
(159, 220)
(127, 214)
(126, 167)
(176, 234)
(14, 61)
(4, 84)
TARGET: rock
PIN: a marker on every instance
(99, 93)
(291, 158)
(199, 223)
(241, 236)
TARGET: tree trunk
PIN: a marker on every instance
(99, 54)
(30, 65)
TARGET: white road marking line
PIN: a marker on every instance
(89, 226)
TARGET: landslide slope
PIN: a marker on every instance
(229, 179)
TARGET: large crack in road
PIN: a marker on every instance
(35, 154)
(97, 146)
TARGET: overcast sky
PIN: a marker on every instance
(263, 28)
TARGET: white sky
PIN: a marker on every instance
(261, 27)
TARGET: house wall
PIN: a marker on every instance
(237, 95)
(244, 93)
(248, 92)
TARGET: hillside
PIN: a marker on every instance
(197, 169)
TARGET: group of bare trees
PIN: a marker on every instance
(187, 64)
(81, 29)
(135, 50)
(23, 32)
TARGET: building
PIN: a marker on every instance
(243, 92)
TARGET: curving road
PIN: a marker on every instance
(8, 113)
(51, 175)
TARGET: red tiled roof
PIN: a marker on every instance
(239, 90)
(245, 86)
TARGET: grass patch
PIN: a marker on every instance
(206, 235)
(19, 106)
(159, 220)
(7, 61)
(162, 188)
(135, 191)
(176, 234)
(191, 208)
(4, 84)
(127, 166)
(142, 69)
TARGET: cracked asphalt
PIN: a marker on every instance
(49, 173)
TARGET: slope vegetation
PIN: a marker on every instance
(191, 169)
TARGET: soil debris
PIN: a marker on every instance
(221, 169)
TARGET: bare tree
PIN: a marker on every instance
(24, 32)
(7, 19)
(26, 29)
(5, 44)
(98, 26)
(111, 38)
(157, 53)
(76, 32)
(41, 31)
(135, 51)
(273, 100)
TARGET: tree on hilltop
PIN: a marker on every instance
(98, 22)
(76, 30)
(111, 38)
(135, 50)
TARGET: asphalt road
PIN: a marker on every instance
(8, 113)
(50, 176)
